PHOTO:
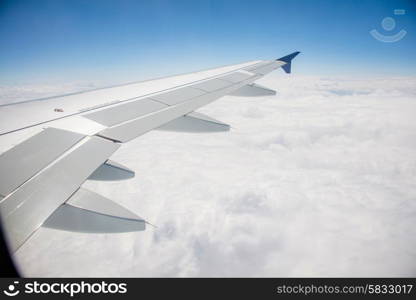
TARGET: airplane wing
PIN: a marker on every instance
(49, 147)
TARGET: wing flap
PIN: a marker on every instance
(89, 212)
(124, 112)
(28, 207)
(263, 70)
(237, 77)
(26, 159)
(212, 85)
(253, 90)
(178, 96)
(255, 66)
(195, 122)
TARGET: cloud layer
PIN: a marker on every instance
(319, 180)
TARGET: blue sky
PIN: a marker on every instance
(52, 41)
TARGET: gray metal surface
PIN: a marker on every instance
(253, 90)
(235, 77)
(89, 212)
(26, 159)
(43, 193)
(258, 65)
(70, 218)
(123, 112)
(130, 130)
(195, 122)
(266, 68)
(111, 171)
(179, 95)
(89, 200)
(204, 117)
(212, 85)
(29, 206)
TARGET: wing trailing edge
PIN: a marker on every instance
(195, 122)
(253, 90)
(89, 212)
(111, 171)
(25, 210)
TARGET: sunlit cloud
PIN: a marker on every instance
(319, 180)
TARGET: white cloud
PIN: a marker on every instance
(319, 180)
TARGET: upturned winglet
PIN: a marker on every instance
(288, 60)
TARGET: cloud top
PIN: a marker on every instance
(319, 180)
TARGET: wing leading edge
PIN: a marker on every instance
(41, 177)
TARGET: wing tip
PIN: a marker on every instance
(288, 58)
(287, 67)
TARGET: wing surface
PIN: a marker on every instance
(50, 146)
